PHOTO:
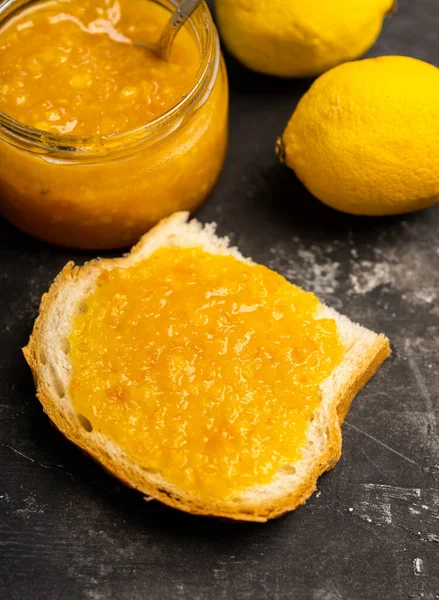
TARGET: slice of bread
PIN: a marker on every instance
(48, 356)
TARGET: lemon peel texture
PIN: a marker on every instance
(299, 38)
(365, 138)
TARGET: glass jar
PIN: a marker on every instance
(106, 191)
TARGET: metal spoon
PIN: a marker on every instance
(162, 48)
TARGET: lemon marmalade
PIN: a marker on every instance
(202, 367)
(73, 67)
(122, 138)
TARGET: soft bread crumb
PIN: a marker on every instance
(47, 354)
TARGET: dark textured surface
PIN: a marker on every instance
(68, 530)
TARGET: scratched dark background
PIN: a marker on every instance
(68, 530)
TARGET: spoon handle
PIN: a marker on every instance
(179, 16)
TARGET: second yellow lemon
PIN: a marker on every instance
(365, 138)
(299, 38)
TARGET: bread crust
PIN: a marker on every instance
(365, 351)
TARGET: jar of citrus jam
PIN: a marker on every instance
(99, 138)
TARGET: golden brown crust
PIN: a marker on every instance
(135, 477)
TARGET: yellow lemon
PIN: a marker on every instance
(299, 38)
(365, 138)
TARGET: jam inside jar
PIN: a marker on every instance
(99, 138)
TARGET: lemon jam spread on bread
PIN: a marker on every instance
(202, 367)
(196, 377)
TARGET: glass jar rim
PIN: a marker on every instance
(44, 142)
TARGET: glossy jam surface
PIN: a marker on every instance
(202, 367)
(70, 67)
(111, 196)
